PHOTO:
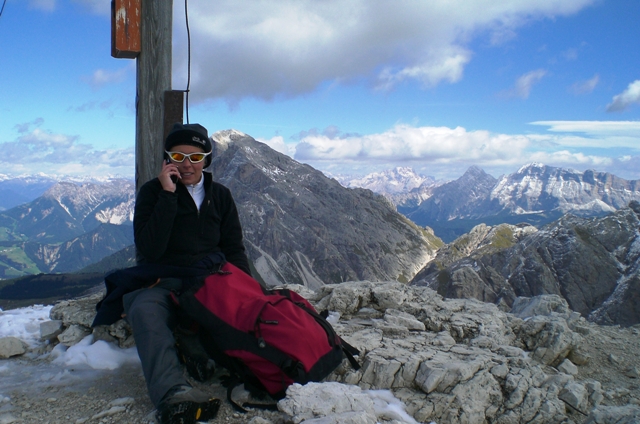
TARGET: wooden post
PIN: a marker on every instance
(153, 79)
(173, 109)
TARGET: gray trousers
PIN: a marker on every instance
(152, 316)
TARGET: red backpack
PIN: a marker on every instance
(266, 339)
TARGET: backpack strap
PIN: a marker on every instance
(234, 381)
(231, 383)
(350, 351)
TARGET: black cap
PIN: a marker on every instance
(189, 134)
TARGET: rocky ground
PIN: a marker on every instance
(36, 391)
(615, 362)
(118, 396)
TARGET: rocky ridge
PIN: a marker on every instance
(593, 263)
(304, 228)
(447, 360)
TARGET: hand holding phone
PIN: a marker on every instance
(174, 178)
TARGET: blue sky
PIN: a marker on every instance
(351, 86)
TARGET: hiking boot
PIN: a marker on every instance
(199, 369)
(187, 405)
(193, 355)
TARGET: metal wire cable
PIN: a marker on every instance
(186, 14)
(3, 4)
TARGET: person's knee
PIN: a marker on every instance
(149, 306)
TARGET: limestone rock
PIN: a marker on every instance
(568, 367)
(549, 339)
(51, 329)
(627, 414)
(575, 395)
(79, 311)
(73, 334)
(633, 372)
(403, 319)
(526, 307)
(12, 346)
(335, 400)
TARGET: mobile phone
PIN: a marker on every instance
(174, 178)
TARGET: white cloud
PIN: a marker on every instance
(267, 49)
(407, 143)
(50, 153)
(430, 73)
(570, 54)
(102, 77)
(25, 127)
(593, 127)
(625, 99)
(447, 152)
(585, 87)
(100, 7)
(525, 83)
(46, 5)
(565, 158)
(597, 134)
(277, 143)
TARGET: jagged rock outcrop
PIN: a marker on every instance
(590, 262)
(455, 360)
(302, 227)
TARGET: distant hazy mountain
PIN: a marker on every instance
(68, 210)
(394, 181)
(402, 185)
(535, 194)
(594, 263)
(302, 227)
(19, 190)
(536, 188)
(67, 228)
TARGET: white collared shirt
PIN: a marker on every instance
(197, 191)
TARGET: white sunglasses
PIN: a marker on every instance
(179, 157)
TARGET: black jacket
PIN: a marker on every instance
(174, 239)
(169, 229)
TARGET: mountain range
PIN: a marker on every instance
(70, 226)
(300, 226)
(535, 194)
(304, 227)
